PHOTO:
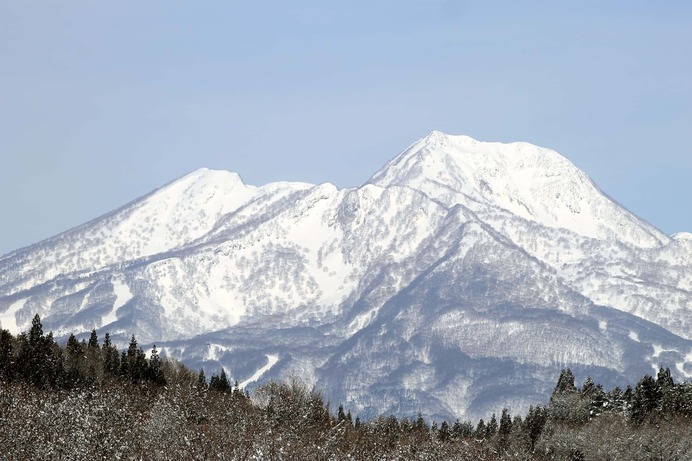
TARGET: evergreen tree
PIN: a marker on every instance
(517, 423)
(491, 428)
(504, 431)
(141, 366)
(534, 423)
(36, 333)
(646, 399)
(223, 381)
(505, 423)
(340, 414)
(38, 360)
(481, 430)
(667, 386)
(460, 429)
(7, 363)
(434, 429)
(94, 360)
(237, 391)
(444, 434)
(628, 395)
(565, 383)
(132, 348)
(133, 362)
(220, 383)
(567, 405)
(420, 424)
(155, 370)
(73, 362)
(93, 340)
(664, 378)
(615, 400)
(594, 395)
(110, 357)
(124, 365)
(588, 387)
(456, 429)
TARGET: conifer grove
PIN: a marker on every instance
(87, 400)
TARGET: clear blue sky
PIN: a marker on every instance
(104, 101)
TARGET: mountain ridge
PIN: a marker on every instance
(512, 168)
(443, 264)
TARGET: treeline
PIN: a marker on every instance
(86, 400)
(35, 358)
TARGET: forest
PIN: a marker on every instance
(87, 400)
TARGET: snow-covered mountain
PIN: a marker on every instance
(459, 279)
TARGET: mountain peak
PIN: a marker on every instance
(210, 175)
(532, 182)
(439, 137)
(435, 136)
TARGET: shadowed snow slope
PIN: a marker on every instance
(458, 280)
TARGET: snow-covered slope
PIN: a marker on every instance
(459, 279)
(530, 182)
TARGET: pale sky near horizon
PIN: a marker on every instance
(102, 102)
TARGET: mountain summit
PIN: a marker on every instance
(531, 182)
(458, 280)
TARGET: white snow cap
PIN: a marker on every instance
(532, 182)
